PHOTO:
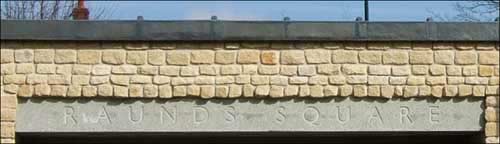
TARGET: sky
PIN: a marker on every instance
(277, 10)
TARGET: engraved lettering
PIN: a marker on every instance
(230, 114)
(68, 114)
(171, 113)
(311, 115)
(343, 114)
(405, 114)
(138, 117)
(280, 114)
(375, 115)
(103, 115)
(200, 114)
(434, 113)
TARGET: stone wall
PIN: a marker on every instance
(249, 69)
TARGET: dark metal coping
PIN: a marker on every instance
(216, 30)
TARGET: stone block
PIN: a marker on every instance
(329, 69)
(492, 101)
(249, 69)
(416, 80)
(410, 91)
(491, 129)
(161, 80)
(181, 81)
(58, 90)
(8, 115)
(465, 57)
(386, 91)
(464, 90)
(24, 68)
(317, 56)
(208, 70)
(316, 91)
(455, 80)
(136, 57)
(179, 91)
(8, 69)
(74, 91)
(225, 57)
(354, 69)
(248, 90)
(424, 91)
(370, 57)
(170, 70)
(421, 57)
(268, 70)
(469, 70)
(203, 57)
(65, 56)
(230, 70)
(193, 90)
(100, 70)
(156, 57)
(248, 56)
(450, 91)
(437, 91)
(356, 79)
(374, 91)
(346, 90)
(479, 91)
(400, 70)
(89, 56)
(489, 57)
(150, 91)
(190, 71)
(360, 90)
(97, 80)
(453, 70)
(235, 91)
(14, 79)
(23, 55)
(165, 91)
(444, 57)
(58, 79)
(276, 91)
(476, 80)
(114, 57)
(344, 57)
(8, 130)
(288, 70)
(330, 91)
(318, 80)
(337, 80)
(304, 91)
(243, 79)
(42, 90)
(436, 80)
(486, 71)
(6, 56)
(139, 79)
(437, 70)
(81, 69)
(224, 80)
(124, 69)
(395, 57)
(135, 91)
(292, 57)
(307, 70)
(204, 80)
(420, 69)
(492, 90)
(298, 80)
(262, 90)
(269, 57)
(379, 70)
(105, 90)
(89, 91)
(378, 80)
(291, 90)
(278, 80)
(44, 56)
(45, 69)
(10, 89)
(260, 80)
(178, 57)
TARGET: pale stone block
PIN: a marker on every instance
(479, 91)
(465, 57)
(420, 69)
(491, 101)
(451, 91)
(11, 89)
(400, 70)
(80, 80)
(410, 91)
(304, 91)
(354, 69)
(248, 56)
(374, 91)
(269, 57)
(58, 90)
(235, 91)
(204, 80)
(80, 69)
(387, 91)
(262, 90)
(378, 80)
(89, 91)
(489, 57)
(436, 80)
(424, 91)
(23, 55)
(230, 70)
(292, 57)
(494, 81)
(476, 80)
(486, 71)
(444, 57)
(180, 91)
(190, 71)
(345, 90)
(288, 70)
(225, 57)
(316, 91)
(437, 70)
(399, 91)
(291, 90)
(99, 70)
(120, 80)
(243, 79)
(268, 70)
(221, 91)
(330, 91)
(416, 80)
(208, 70)
(307, 70)
(65, 69)
(336, 80)
(379, 70)
(45, 69)
(44, 56)
(469, 70)
(276, 91)
(120, 91)
(224, 80)
(492, 140)
(136, 57)
(421, 57)
(170, 70)
(465, 46)
(249, 69)
(74, 91)
(135, 91)
(124, 69)
(248, 90)
(65, 56)
(8, 130)
(260, 80)
(395, 57)
(161, 80)
(193, 90)
(148, 70)
(8, 69)
(329, 69)
(114, 57)
(454, 70)
(278, 80)
(485, 46)
(181, 81)
(317, 56)
(150, 91)
(318, 80)
(59, 79)
(492, 90)
(24, 68)
(356, 79)
(437, 91)
(97, 80)
(464, 90)
(491, 129)
(344, 57)
(156, 57)
(370, 57)
(139, 79)
(6, 56)
(397, 80)
(105, 90)
(14, 79)
(42, 90)
(455, 80)
(89, 56)
(360, 91)
(202, 57)
(178, 57)
(165, 91)
(298, 80)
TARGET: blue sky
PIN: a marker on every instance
(261, 10)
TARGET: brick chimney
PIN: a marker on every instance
(80, 12)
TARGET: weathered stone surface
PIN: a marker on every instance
(491, 114)
(23, 68)
(291, 90)
(202, 57)
(379, 70)
(316, 56)
(189, 71)
(235, 91)
(114, 56)
(370, 57)
(307, 70)
(269, 57)
(81, 69)
(208, 70)
(298, 80)
(230, 70)
(136, 57)
(288, 70)
(248, 90)
(44, 56)
(316, 91)
(260, 80)
(170, 70)
(221, 91)
(23, 55)
(101, 70)
(6, 56)
(124, 69)
(304, 91)
(344, 57)
(356, 79)
(489, 58)
(491, 129)
(89, 56)
(360, 90)
(89, 91)
(395, 57)
(378, 80)
(400, 70)
(421, 57)
(354, 69)
(14, 79)
(444, 57)
(486, 71)
(437, 70)
(179, 91)
(248, 56)
(420, 69)
(165, 91)
(318, 80)
(156, 57)
(225, 57)
(58, 90)
(337, 80)
(330, 91)
(262, 90)
(465, 57)
(193, 90)
(268, 70)
(292, 57)
(178, 57)
(329, 69)
(249, 69)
